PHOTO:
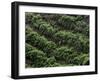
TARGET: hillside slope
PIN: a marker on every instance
(54, 40)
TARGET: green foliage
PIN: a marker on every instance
(82, 27)
(68, 22)
(41, 42)
(28, 47)
(28, 30)
(33, 55)
(82, 59)
(51, 62)
(84, 44)
(50, 46)
(37, 57)
(28, 18)
(63, 37)
(42, 26)
(74, 23)
(54, 40)
(62, 53)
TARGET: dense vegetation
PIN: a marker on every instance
(56, 40)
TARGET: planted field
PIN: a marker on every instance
(54, 40)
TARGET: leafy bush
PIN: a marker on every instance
(32, 55)
(28, 18)
(41, 42)
(68, 22)
(28, 47)
(28, 30)
(62, 53)
(37, 57)
(51, 62)
(82, 59)
(81, 45)
(42, 26)
(54, 40)
(82, 27)
(63, 37)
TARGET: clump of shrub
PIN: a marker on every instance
(63, 53)
(40, 42)
(63, 37)
(82, 59)
(54, 40)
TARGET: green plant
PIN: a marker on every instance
(62, 53)
(53, 40)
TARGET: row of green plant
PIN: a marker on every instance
(37, 58)
(40, 42)
(56, 40)
(62, 53)
(61, 56)
(76, 23)
(78, 41)
(49, 31)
